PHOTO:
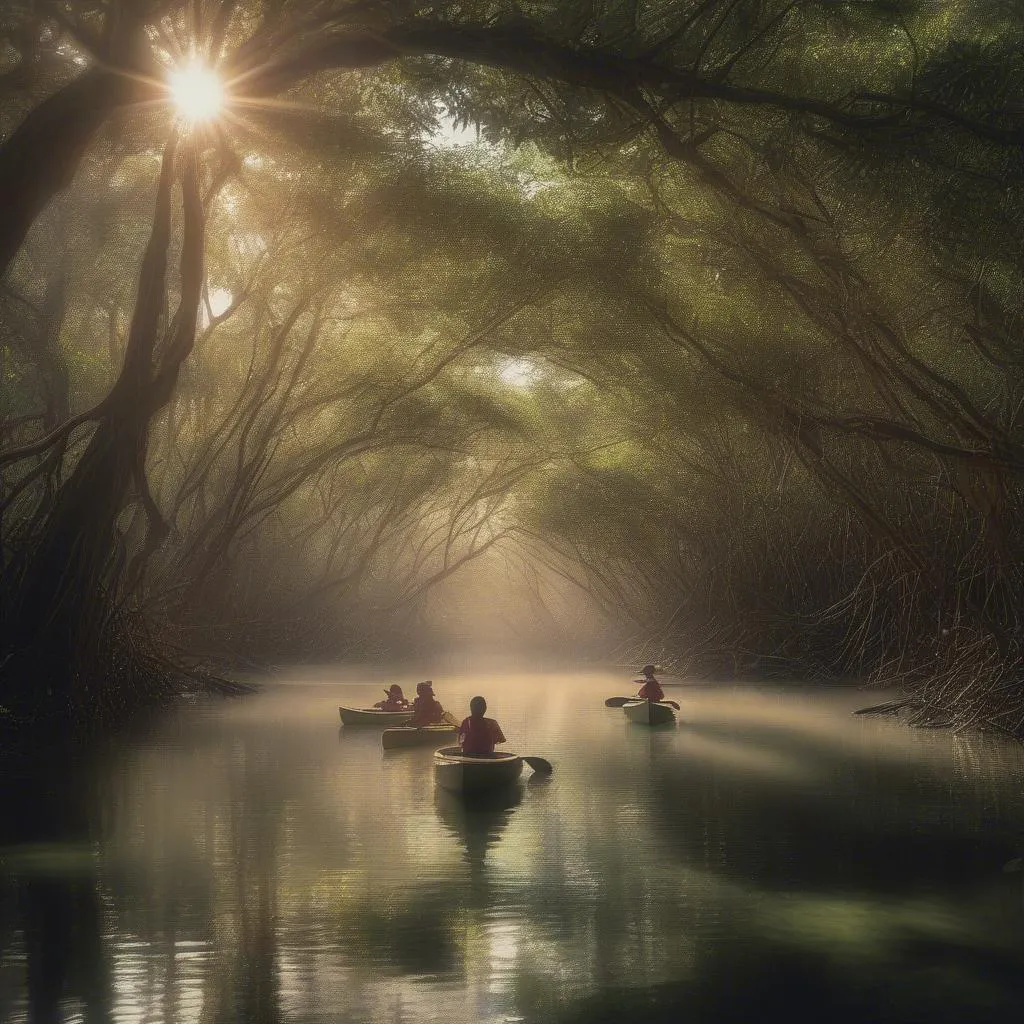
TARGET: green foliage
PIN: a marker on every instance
(717, 319)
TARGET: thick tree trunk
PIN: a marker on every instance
(60, 599)
(62, 590)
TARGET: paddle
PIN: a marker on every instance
(539, 764)
(617, 702)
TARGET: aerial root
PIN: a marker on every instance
(889, 707)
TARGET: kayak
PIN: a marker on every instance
(410, 736)
(373, 716)
(459, 773)
(649, 712)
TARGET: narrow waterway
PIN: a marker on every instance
(768, 857)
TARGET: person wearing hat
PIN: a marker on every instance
(395, 700)
(651, 689)
(425, 708)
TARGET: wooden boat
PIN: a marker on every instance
(458, 773)
(410, 736)
(373, 716)
(649, 712)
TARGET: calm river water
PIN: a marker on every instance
(770, 857)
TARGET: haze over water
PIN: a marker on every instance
(771, 855)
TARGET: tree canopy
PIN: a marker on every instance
(691, 325)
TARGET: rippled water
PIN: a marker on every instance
(771, 856)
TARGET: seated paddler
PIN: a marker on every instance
(425, 708)
(477, 734)
(394, 701)
(651, 688)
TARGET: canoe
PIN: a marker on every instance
(373, 716)
(459, 773)
(649, 712)
(410, 736)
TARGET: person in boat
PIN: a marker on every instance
(651, 688)
(425, 708)
(477, 735)
(394, 701)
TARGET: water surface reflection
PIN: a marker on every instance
(769, 855)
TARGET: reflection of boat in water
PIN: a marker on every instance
(649, 712)
(459, 773)
(477, 819)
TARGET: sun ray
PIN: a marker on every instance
(273, 103)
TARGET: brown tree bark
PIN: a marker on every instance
(59, 596)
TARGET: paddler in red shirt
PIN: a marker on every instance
(425, 708)
(477, 735)
(651, 690)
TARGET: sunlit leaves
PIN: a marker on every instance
(761, 286)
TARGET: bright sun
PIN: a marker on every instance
(197, 93)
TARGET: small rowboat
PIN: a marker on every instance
(373, 716)
(410, 736)
(649, 712)
(459, 773)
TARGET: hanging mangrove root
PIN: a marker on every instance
(889, 707)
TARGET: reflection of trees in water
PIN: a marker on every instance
(204, 850)
(675, 877)
(575, 906)
(46, 833)
(744, 982)
(63, 929)
(602, 902)
(209, 845)
(596, 909)
(51, 878)
(644, 871)
(213, 883)
(882, 828)
(861, 845)
(413, 936)
(285, 882)
(244, 985)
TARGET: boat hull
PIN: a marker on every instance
(457, 773)
(373, 716)
(649, 712)
(409, 736)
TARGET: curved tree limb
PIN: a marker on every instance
(41, 156)
(54, 436)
